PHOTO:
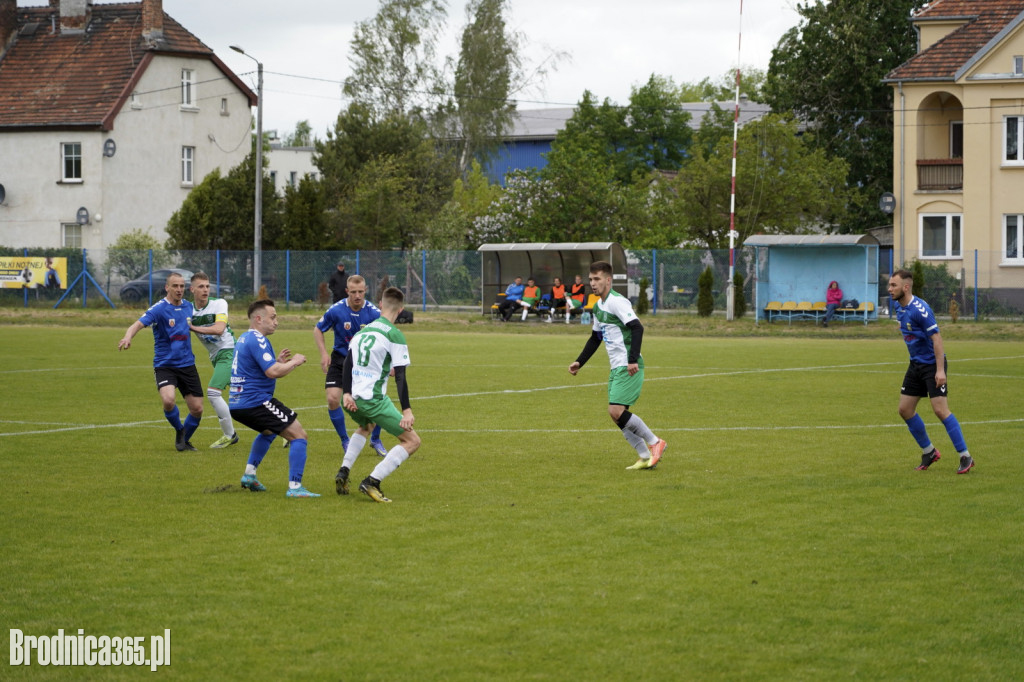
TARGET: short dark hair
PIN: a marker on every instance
(200, 275)
(600, 266)
(392, 297)
(903, 273)
(259, 304)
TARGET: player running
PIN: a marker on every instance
(375, 350)
(173, 362)
(210, 323)
(254, 375)
(617, 325)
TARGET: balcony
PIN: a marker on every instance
(941, 175)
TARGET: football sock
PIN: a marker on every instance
(355, 445)
(376, 433)
(220, 406)
(955, 434)
(190, 425)
(174, 418)
(338, 419)
(917, 430)
(386, 467)
(260, 445)
(296, 460)
(638, 444)
(637, 426)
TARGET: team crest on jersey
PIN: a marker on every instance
(348, 325)
(170, 322)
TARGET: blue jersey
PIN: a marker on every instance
(346, 322)
(172, 342)
(917, 324)
(250, 385)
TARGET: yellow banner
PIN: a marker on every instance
(33, 272)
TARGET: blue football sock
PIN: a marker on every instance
(376, 433)
(296, 459)
(191, 424)
(174, 418)
(955, 434)
(338, 419)
(259, 449)
(917, 430)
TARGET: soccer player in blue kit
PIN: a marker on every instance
(926, 374)
(346, 317)
(173, 362)
(254, 374)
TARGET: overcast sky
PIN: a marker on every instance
(613, 44)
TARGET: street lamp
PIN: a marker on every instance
(257, 249)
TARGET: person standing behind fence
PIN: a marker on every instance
(926, 374)
(210, 324)
(337, 283)
(174, 365)
(833, 299)
(346, 318)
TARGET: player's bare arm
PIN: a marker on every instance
(215, 329)
(940, 357)
(325, 357)
(126, 341)
(348, 402)
(407, 419)
(574, 368)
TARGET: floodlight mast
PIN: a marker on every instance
(257, 247)
(730, 297)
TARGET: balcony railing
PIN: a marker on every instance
(940, 174)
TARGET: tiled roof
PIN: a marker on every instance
(942, 60)
(53, 79)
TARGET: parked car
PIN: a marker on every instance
(138, 289)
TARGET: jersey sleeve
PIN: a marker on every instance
(262, 352)
(399, 349)
(326, 323)
(220, 310)
(150, 316)
(621, 308)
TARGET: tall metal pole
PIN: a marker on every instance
(257, 228)
(730, 299)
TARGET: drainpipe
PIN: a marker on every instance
(903, 170)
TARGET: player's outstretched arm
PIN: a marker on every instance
(126, 341)
(593, 343)
(325, 357)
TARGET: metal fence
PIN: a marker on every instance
(451, 280)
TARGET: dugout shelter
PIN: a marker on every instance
(502, 263)
(798, 268)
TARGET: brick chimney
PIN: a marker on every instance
(75, 15)
(8, 22)
(152, 19)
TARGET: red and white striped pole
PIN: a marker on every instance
(730, 309)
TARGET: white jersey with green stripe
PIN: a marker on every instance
(610, 317)
(375, 350)
(216, 310)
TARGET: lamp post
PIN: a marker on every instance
(257, 249)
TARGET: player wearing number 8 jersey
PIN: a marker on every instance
(376, 349)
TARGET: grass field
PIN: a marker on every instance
(784, 536)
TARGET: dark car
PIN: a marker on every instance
(138, 289)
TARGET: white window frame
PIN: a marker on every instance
(1010, 258)
(70, 152)
(188, 165)
(1018, 65)
(188, 89)
(953, 248)
(71, 235)
(1018, 156)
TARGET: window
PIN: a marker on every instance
(292, 178)
(956, 139)
(188, 155)
(188, 88)
(71, 235)
(1013, 131)
(223, 106)
(273, 179)
(940, 235)
(71, 155)
(1018, 65)
(1013, 228)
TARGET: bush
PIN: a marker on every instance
(739, 301)
(917, 269)
(643, 305)
(705, 299)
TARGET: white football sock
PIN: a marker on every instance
(355, 445)
(220, 406)
(387, 466)
(638, 444)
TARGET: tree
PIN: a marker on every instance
(129, 254)
(392, 57)
(304, 220)
(705, 296)
(452, 227)
(723, 88)
(301, 137)
(829, 71)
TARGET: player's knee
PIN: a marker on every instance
(410, 440)
(905, 413)
(297, 432)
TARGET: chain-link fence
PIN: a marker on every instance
(451, 280)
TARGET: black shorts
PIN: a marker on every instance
(185, 379)
(919, 381)
(335, 371)
(271, 416)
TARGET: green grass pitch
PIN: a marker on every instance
(784, 536)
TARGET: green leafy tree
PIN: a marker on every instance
(739, 299)
(128, 256)
(705, 296)
(643, 304)
(472, 198)
(304, 224)
(302, 136)
(829, 71)
(723, 88)
(917, 270)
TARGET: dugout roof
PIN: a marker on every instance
(502, 263)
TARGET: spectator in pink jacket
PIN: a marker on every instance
(833, 297)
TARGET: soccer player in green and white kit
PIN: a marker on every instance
(374, 351)
(617, 325)
(210, 323)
